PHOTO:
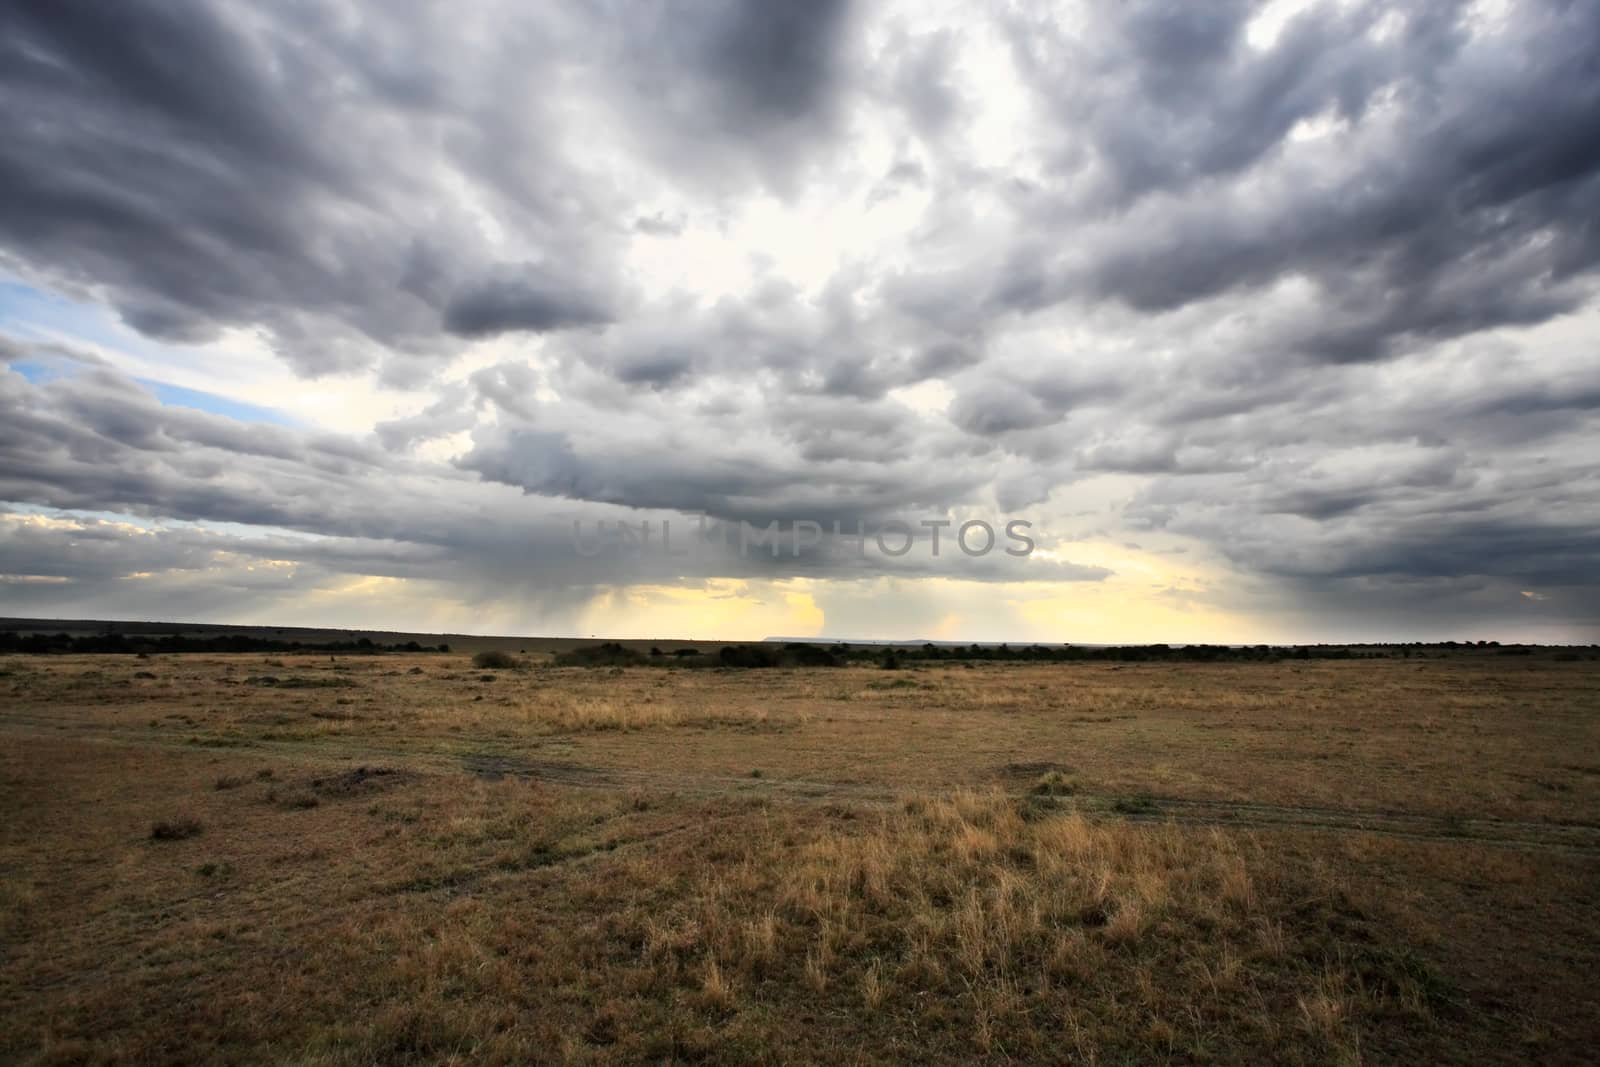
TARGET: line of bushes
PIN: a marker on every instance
(45, 644)
(800, 654)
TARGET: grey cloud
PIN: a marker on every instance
(836, 344)
(943, 358)
(696, 476)
(96, 442)
(658, 226)
(450, 413)
(720, 91)
(531, 299)
(205, 166)
(1416, 513)
(997, 407)
(1131, 453)
(774, 60)
(508, 386)
(1171, 94)
(923, 84)
(1438, 209)
(767, 447)
(159, 151)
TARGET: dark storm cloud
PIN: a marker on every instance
(531, 299)
(1170, 94)
(719, 92)
(826, 478)
(163, 153)
(216, 169)
(1402, 510)
(772, 61)
(205, 166)
(1457, 192)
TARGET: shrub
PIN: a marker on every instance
(747, 657)
(750, 656)
(175, 829)
(605, 654)
(805, 655)
(494, 659)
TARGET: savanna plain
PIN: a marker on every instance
(354, 859)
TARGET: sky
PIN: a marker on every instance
(1272, 322)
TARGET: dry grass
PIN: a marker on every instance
(970, 914)
(582, 866)
(1390, 734)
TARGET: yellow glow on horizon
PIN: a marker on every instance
(1147, 598)
(719, 609)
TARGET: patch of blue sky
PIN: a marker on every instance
(37, 315)
(244, 530)
(40, 315)
(39, 372)
(178, 396)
